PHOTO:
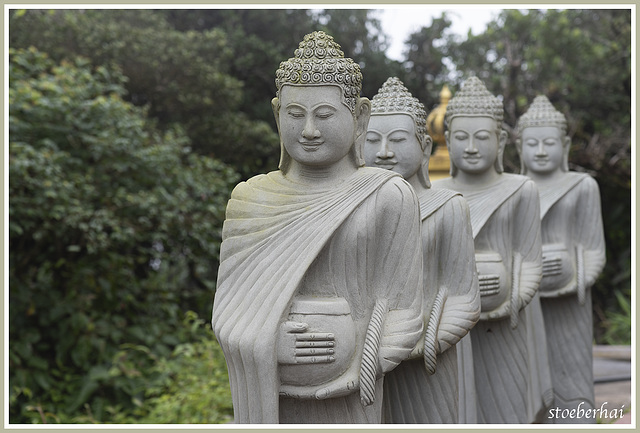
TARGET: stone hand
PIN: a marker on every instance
(551, 266)
(296, 346)
(346, 384)
(489, 284)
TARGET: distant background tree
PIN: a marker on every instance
(183, 77)
(359, 33)
(426, 51)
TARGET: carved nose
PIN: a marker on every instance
(385, 152)
(309, 132)
(541, 150)
(471, 149)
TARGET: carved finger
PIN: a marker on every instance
(321, 359)
(314, 344)
(294, 327)
(295, 392)
(314, 351)
(314, 336)
(338, 389)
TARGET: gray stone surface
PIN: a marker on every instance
(509, 349)
(315, 303)
(611, 371)
(426, 388)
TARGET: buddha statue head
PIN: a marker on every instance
(474, 135)
(320, 115)
(541, 139)
(397, 136)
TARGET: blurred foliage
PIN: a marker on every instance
(359, 33)
(617, 323)
(128, 134)
(426, 70)
(183, 77)
(114, 233)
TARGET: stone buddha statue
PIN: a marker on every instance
(424, 389)
(319, 287)
(573, 252)
(509, 346)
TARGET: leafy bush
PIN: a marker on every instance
(191, 386)
(114, 230)
(183, 77)
(617, 323)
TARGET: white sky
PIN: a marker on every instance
(399, 22)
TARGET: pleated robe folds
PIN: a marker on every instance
(571, 216)
(411, 394)
(359, 240)
(512, 374)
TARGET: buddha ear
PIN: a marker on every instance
(503, 137)
(275, 106)
(523, 167)
(566, 146)
(363, 113)
(453, 170)
(423, 171)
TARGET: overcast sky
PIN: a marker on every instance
(399, 22)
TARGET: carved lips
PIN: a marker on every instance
(310, 146)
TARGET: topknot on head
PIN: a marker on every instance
(541, 113)
(394, 97)
(318, 60)
(474, 100)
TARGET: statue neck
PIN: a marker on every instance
(321, 176)
(477, 179)
(418, 187)
(546, 178)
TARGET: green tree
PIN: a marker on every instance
(425, 52)
(182, 77)
(259, 39)
(114, 231)
(359, 33)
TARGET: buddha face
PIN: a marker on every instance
(542, 149)
(316, 127)
(474, 143)
(392, 144)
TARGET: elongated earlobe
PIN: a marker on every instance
(523, 167)
(362, 116)
(453, 170)
(566, 147)
(502, 142)
(423, 171)
(285, 159)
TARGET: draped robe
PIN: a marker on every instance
(511, 364)
(411, 394)
(358, 240)
(571, 217)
